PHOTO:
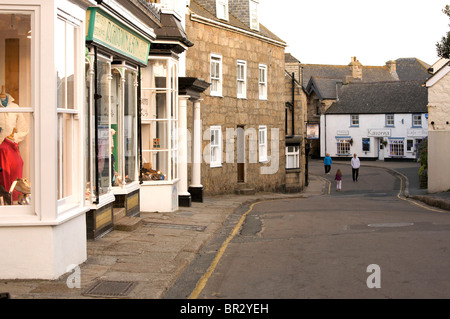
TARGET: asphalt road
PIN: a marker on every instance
(325, 246)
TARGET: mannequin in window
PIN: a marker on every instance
(13, 129)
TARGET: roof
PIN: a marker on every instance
(207, 9)
(323, 87)
(409, 69)
(381, 98)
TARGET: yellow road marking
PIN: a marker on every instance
(202, 282)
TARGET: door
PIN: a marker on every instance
(381, 149)
(240, 154)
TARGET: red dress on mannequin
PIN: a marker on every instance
(12, 165)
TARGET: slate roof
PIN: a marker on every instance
(412, 69)
(381, 98)
(324, 88)
(207, 9)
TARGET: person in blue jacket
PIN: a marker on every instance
(327, 163)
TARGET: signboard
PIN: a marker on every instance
(374, 132)
(342, 132)
(312, 131)
(416, 132)
(103, 29)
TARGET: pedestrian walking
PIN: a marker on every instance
(355, 167)
(327, 163)
(338, 179)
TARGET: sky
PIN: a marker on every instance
(373, 31)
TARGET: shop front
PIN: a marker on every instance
(116, 55)
(42, 211)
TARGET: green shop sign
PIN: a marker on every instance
(103, 29)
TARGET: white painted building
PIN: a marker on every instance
(383, 120)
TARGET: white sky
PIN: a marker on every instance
(375, 31)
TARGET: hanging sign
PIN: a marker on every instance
(103, 29)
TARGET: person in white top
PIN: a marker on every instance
(355, 167)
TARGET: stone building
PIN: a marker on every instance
(439, 128)
(243, 110)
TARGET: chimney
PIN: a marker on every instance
(245, 11)
(356, 68)
(392, 65)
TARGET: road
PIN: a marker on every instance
(323, 245)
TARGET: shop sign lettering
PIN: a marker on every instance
(378, 133)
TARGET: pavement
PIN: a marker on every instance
(146, 262)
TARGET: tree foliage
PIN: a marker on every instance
(443, 47)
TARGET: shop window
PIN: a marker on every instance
(123, 126)
(263, 143)
(292, 157)
(262, 81)
(396, 147)
(160, 120)
(241, 79)
(215, 146)
(409, 145)
(343, 146)
(68, 120)
(16, 111)
(216, 75)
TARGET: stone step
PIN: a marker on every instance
(128, 223)
(245, 191)
(118, 213)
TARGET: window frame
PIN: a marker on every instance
(354, 120)
(262, 144)
(216, 90)
(395, 146)
(241, 82)
(262, 82)
(414, 120)
(222, 9)
(388, 120)
(219, 146)
(295, 153)
(344, 141)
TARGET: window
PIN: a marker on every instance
(263, 143)
(159, 113)
(262, 82)
(222, 9)
(216, 75)
(241, 79)
(66, 78)
(16, 111)
(292, 157)
(417, 120)
(354, 120)
(215, 146)
(409, 145)
(390, 120)
(254, 22)
(343, 146)
(366, 144)
(396, 147)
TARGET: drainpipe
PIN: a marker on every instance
(293, 102)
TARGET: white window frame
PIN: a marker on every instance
(354, 120)
(262, 143)
(417, 120)
(262, 80)
(412, 148)
(390, 120)
(215, 159)
(253, 12)
(216, 74)
(72, 199)
(396, 147)
(343, 146)
(241, 78)
(222, 9)
(294, 154)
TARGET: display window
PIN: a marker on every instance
(159, 120)
(67, 98)
(16, 109)
(124, 125)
